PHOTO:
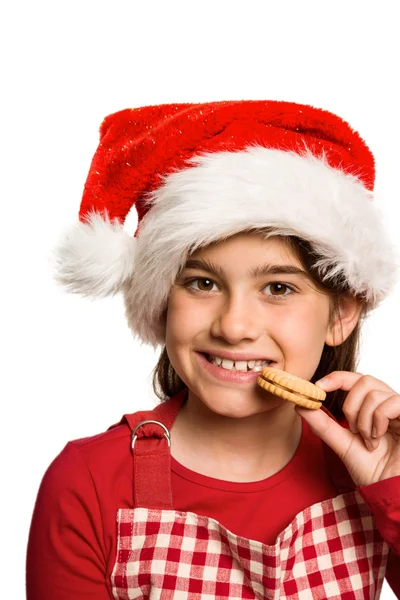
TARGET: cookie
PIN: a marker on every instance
(291, 388)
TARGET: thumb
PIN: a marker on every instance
(336, 437)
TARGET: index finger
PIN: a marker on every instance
(339, 380)
(347, 380)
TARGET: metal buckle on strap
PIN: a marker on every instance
(166, 432)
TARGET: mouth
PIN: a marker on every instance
(242, 366)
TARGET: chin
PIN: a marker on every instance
(240, 406)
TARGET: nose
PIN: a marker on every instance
(237, 319)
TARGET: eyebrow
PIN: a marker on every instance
(264, 270)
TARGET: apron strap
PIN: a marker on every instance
(150, 443)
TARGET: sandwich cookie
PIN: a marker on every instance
(291, 388)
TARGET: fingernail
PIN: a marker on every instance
(369, 445)
(322, 382)
(374, 431)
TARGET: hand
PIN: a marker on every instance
(370, 403)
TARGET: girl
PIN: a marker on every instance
(257, 243)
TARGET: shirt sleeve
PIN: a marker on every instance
(383, 498)
(65, 555)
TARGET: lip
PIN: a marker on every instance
(225, 374)
(235, 355)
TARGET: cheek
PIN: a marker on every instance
(182, 329)
(304, 329)
(184, 318)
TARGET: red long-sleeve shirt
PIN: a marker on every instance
(73, 536)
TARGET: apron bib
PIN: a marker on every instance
(330, 550)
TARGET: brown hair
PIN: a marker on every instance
(166, 382)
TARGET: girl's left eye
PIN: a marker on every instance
(280, 289)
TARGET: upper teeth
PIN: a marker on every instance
(239, 365)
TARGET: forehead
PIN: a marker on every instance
(252, 246)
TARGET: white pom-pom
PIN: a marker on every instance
(95, 258)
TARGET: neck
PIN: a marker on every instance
(235, 449)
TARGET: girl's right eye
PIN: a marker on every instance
(203, 284)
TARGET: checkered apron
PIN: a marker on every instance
(330, 550)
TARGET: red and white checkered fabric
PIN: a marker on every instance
(330, 550)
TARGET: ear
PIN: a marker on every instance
(344, 323)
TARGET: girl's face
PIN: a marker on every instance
(246, 299)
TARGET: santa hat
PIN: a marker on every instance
(198, 173)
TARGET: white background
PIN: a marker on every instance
(70, 367)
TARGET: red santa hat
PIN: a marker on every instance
(198, 173)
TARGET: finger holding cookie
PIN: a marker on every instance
(369, 404)
(366, 395)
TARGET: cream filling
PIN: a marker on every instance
(282, 387)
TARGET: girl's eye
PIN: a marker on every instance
(203, 285)
(280, 289)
